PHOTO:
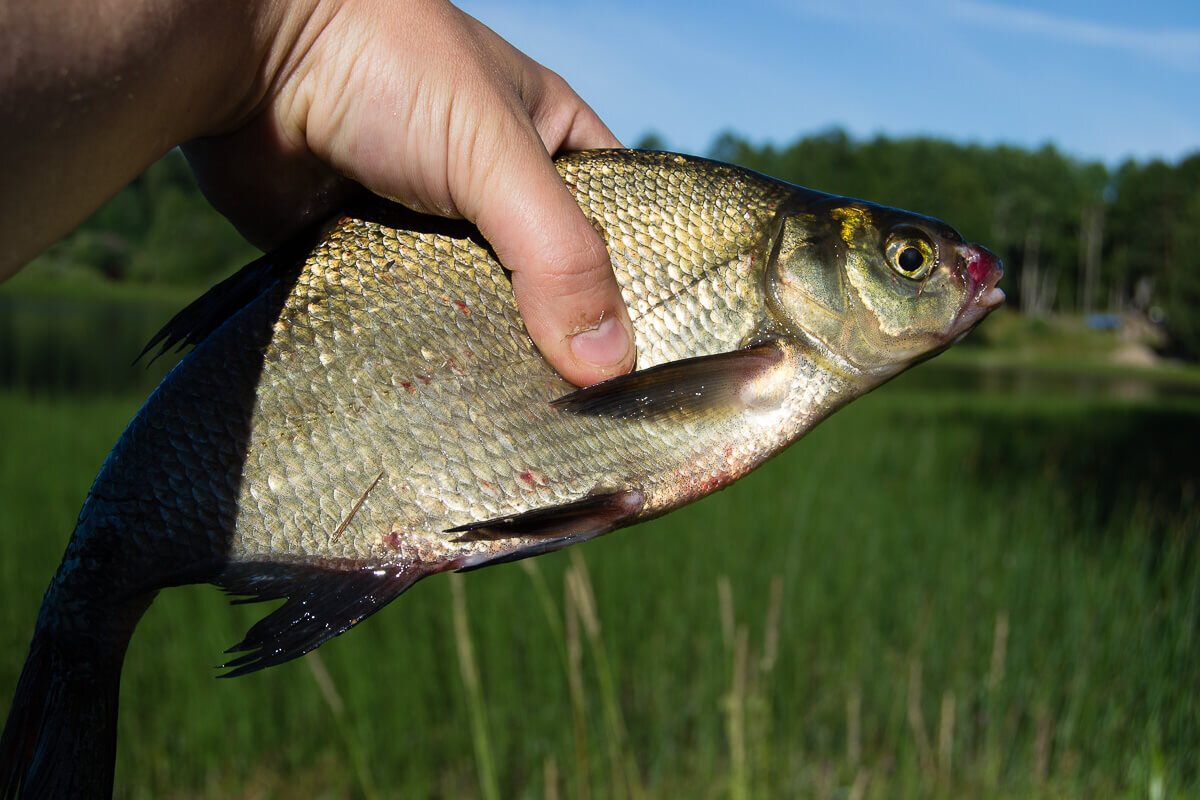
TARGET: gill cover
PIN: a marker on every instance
(874, 288)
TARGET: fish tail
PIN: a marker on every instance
(60, 739)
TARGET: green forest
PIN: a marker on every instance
(1075, 236)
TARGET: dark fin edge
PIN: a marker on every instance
(555, 526)
(60, 739)
(212, 309)
(691, 386)
(322, 602)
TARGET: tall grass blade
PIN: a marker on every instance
(574, 645)
(485, 767)
(858, 789)
(550, 779)
(623, 764)
(854, 726)
(946, 737)
(347, 732)
(916, 721)
(735, 705)
(771, 626)
(993, 744)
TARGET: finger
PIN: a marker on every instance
(564, 120)
(588, 131)
(562, 278)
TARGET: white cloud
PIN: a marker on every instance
(1179, 48)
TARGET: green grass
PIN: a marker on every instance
(935, 594)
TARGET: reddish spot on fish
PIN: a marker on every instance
(423, 379)
(393, 540)
(532, 479)
(715, 481)
(408, 386)
(462, 307)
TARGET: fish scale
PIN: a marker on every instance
(435, 420)
(364, 408)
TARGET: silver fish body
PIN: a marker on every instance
(364, 411)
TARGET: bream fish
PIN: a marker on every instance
(364, 408)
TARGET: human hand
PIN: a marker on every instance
(422, 104)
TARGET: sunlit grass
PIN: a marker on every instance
(935, 594)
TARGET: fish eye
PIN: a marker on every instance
(910, 253)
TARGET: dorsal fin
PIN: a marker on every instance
(204, 315)
(207, 313)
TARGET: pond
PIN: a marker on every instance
(80, 345)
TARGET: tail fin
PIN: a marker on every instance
(61, 736)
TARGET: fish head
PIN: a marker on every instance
(877, 289)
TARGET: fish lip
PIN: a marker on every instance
(983, 270)
(992, 298)
(980, 269)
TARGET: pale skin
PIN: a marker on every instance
(283, 106)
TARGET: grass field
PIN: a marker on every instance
(937, 593)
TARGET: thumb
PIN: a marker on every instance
(562, 278)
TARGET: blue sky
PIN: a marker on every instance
(1101, 80)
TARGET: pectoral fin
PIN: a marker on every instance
(553, 527)
(681, 388)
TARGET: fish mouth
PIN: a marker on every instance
(980, 270)
(984, 270)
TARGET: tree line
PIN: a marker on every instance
(1075, 236)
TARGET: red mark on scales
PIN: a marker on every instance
(407, 385)
(715, 481)
(532, 479)
(461, 305)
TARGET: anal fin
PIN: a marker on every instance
(322, 601)
(687, 387)
(552, 528)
